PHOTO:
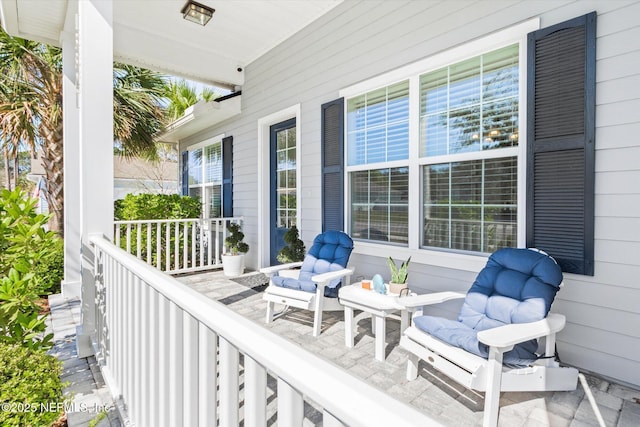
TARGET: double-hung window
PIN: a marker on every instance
(378, 153)
(468, 128)
(433, 158)
(205, 177)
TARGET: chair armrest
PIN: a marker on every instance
(509, 335)
(275, 268)
(428, 299)
(324, 278)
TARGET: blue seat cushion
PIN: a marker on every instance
(516, 286)
(330, 252)
(460, 335)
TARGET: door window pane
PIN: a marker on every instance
(286, 177)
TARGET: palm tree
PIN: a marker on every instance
(31, 109)
(182, 95)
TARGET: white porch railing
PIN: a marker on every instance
(172, 357)
(175, 245)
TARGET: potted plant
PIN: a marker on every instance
(294, 251)
(398, 276)
(233, 259)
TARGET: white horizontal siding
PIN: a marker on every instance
(362, 39)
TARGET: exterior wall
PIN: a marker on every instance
(361, 39)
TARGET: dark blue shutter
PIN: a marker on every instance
(227, 177)
(185, 173)
(561, 142)
(332, 158)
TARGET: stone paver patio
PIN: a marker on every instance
(432, 392)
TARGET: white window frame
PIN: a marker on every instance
(202, 145)
(412, 72)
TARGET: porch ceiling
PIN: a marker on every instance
(153, 34)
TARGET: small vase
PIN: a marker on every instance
(396, 288)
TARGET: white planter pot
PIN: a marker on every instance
(233, 265)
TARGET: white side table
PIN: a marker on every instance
(379, 306)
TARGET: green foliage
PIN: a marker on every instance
(294, 251)
(50, 269)
(399, 275)
(234, 242)
(23, 245)
(29, 377)
(156, 206)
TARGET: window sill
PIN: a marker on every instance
(457, 261)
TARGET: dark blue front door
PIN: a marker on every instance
(283, 183)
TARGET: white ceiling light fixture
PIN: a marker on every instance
(196, 12)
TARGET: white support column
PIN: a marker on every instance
(71, 284)
(95, 86)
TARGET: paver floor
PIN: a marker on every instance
(432, 392)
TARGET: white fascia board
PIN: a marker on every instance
(199, 117)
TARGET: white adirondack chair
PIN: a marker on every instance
(491, 346)
(315, 285)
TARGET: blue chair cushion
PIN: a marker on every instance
(516, 286)
(330, 252)
(460, 335)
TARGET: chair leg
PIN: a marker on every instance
(317, 316)
(270, 306)
(412, 367)
(492, 395)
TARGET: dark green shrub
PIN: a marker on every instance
(156, 206)
(234, 241)
(30, 387)
(24, 243)
(294, 251)
(49, 270)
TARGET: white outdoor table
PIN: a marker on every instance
(379, 306)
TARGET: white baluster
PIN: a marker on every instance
(290, 405)
(164, 385)
(228, 409)
(255, 394)
(176, 363)
(168, 247)
(149, 243)
(207, 378)
(190, 362)
(152, 364)
(139, 240)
